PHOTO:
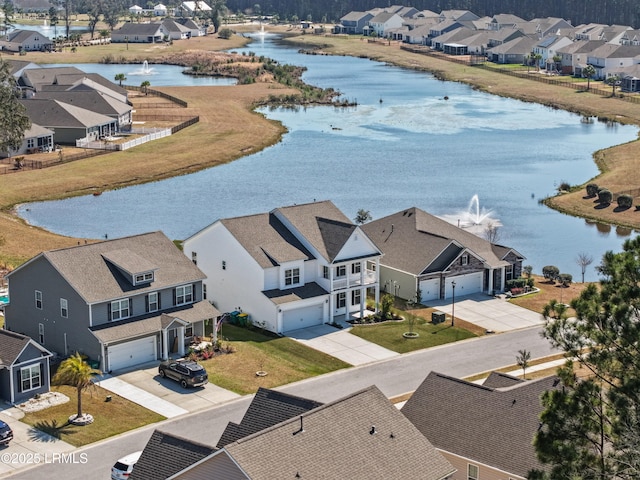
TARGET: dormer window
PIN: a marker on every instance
(292, 276)
(146, 277)
(464, 260)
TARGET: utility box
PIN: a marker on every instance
(437, 317)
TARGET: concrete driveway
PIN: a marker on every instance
(491, 313)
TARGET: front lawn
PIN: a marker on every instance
(389, 334)
(549, 291)
(110, 418)
(283, 359)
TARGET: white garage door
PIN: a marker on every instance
(430, 289)
(132, 353)
(465, 284)
(303, 317)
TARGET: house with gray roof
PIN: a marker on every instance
(131, 32)
(353, 23)
(360, 437)
(575, 55)
(24, 367)
(25, 41)
(382, 24)
(121, 302)
(36, 139)
(484, 431)
(609, 59)
(69, 123)
(548, 48)
(514, 51)
(290, 268)
(425, 253)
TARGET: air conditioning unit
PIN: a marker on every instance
(437, 317)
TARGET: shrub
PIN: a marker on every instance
(565, 279)
(625, 201)
(386, 302)
(527, 270)
(592, 189)
(516, 291)
(225, 33)
(564, 186)
(604, 196)
(550, 272)
(516, 283)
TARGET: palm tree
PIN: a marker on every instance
(104, 34)
(614, 81)
(76, 372)
(588, 72)
(145, 86)
(120, 77)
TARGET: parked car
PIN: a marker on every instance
(123, 467)
(6, 434)
(187, 372)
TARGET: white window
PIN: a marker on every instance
(194, 258)
(508, 272)
(120, 309)
(464, 260)
(325, 272)
(184, 294)
(356, 297)
(64, 308)
(472, 472)
(31, 142)
(152, 302)
(204, 291)
(38, 299)
(144, 278)
(41, 333)
(188, 330)
(341, 271)
(292, 276)
(341, 300)
(355, 268)
(371, 266)
(30, 378)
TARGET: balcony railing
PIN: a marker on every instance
(369, 278)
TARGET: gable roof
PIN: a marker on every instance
(88, 99)
(166, 454)
(12, 344)
(317, 441)
(267, 408)
(20, 36)
(46, 76)
(141, 29)
(53, 113)
(415, 241)
(96, 280)
(506, 419)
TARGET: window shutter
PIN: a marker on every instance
(159, 305)
(174, 296)
(19, 375)
(146, 303)
(193, 293)
(109, 311)
(131, 307)
(41, 374)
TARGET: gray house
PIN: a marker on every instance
(121, 302)
(138, 33)
(25, 41)
(24, 367)
(423, 252)
(36, 139)
(353, 23)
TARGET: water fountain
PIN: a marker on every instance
(474, 218)
(145, 70)
(45, 24)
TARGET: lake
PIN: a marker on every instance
(404, 145)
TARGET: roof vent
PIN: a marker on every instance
(373, 430)
(392, 228)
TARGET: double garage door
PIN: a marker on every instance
(128, 354)
(303, 317)
(465, 284)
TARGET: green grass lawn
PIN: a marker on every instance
(389, 334)
(283, 359)
(110, 418)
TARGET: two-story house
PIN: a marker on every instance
(290, 268)
(120, 302)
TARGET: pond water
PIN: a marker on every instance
(403, 145)
(48, 31)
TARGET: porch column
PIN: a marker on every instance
(331, 303)
(181, 341)
(502, 276)
(165, 344)
(377, 284)
(490, 292)
(363, 300)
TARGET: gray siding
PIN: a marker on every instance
(5, 387)
(44, 380)
(406, 283)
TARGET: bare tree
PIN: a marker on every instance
(492, 232)
(584, 260)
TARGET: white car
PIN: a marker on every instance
(122, 468)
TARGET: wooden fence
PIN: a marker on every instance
(158, 93)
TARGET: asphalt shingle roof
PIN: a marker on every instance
(11, 345)
(493, 426)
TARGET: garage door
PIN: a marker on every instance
(303, 317)
(430, 289)
(465, 284)
(132, 353)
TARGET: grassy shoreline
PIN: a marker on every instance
(230, 129)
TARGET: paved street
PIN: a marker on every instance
(394, 376)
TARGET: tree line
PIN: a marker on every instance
(621, 12)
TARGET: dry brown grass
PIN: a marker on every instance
(548, 292)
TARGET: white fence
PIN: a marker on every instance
(150, 135)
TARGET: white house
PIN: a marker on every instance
(608, 59)
(383, 22)
(291, 268)
(135, 10)
(160, 10)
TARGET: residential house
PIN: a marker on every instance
(194, 8)
(548, 47)
(69, 122)
(25, 41)
(290, 268)
(609, 58)
(543, 27)
(630, 79)
(504, 20)
(94, 101)
(574, 56)
(445, 26)
(132, 32)
(382, 23)
(514, 51)
(452, 39)
(135, 10)
(120, 302)
(160, 10)
(174, 30)
(88, 82)
(418, 35)
(402, 11)
(458, 15)
(504, 413)
(36, 139)
(30, 6)
(382, 443)
(425, 253)
(194, 28)
(630, 37)
(16, 67)
(24, 367)
(504, 35)
(353, 23)
(33, 78)
(166, 454)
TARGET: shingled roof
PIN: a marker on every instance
(505, 419)
(95, 279)
(166, 454)
(11, 346)
(317, 444)
(415, 241)
(267, 408)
